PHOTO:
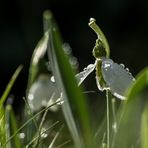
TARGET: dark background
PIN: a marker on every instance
(124, 22)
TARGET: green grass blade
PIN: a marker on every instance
(40, 127)
(36, 138)
(37, 56)
(54, 139)
(2, 125)
(144, 128)
(14, 128)
(2, 100)
(9, 86)
(27, 122)
(7, 125)
(67, 84)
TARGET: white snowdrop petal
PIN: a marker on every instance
(116, 77)
(40, 93)
(82, 75)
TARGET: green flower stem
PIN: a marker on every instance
(92, 24)
(108, 119)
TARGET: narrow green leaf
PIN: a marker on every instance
(7, 125)
(66, 83)
(144, 128)
(2, 100)
(9, 86)
(27, 122)
(54, 139)
(14, 128)
(2, 129)
(36, 138)
(37, 56)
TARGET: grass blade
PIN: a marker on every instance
(27, 122)
(14, 127)
(37, 56)
(2, 100)
(55, 137)
(9, 86)
(144, 128)
(36, 138)
(7, 125)
(67, 84)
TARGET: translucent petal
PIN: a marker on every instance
(116, 77)
(82, 75)
(41, 92)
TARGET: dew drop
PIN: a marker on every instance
(21, 135)
(122, 65)
(127, 69)
(106, 65)
(74, 62)
(114, 126)
(52, 79)
(92, 20)
(67, 49)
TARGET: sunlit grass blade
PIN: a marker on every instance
(2, 100)
(63, 144)
(27, 122)
(65, 107)
(100, 134)
(14, 127)
(36, 138)
(38, 54)
(7, 125)
(144, 128)
(130, 115)
(40, 127)
(67, 84)
(9, 86)
(2, 129)
(54, 139)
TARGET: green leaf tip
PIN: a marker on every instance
(47, 18)
(47, 14)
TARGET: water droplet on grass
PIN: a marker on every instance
(21, 135)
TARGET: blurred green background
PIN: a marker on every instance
(124, 22)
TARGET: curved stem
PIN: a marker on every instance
(92, 24)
